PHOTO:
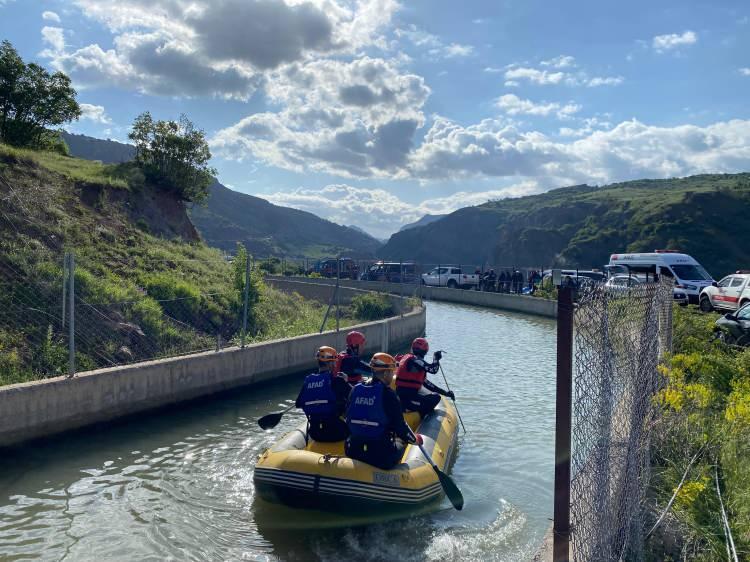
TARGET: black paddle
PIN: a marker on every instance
(449, 486)
(454, 400)
(269, 421)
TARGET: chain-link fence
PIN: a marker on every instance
(620, 334)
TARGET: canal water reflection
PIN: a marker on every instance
(178, 484)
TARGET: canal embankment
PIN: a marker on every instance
(500, 301)
(46, 407)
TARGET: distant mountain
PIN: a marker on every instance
(363, 231)
(90, 148)
(707, 216)
(270, 230)
(425, 220)
(229, 217)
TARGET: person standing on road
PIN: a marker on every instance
(417, 394)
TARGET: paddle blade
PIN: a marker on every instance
(451, 490)
(269, 421)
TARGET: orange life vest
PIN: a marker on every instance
(409, 379)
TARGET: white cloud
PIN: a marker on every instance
(95, 113)
(662, 43)
(355, 119)
(562, 61)
(380, 212)
(536, 76)
(511, 84)
(54, 37)
(605, 81)
(492, 69)
(543, 77)
(50, 16)
(513, 105)
(627, 151)
(456, 50)
(589, 125)
(434, 45)
(219, 47)
(745, 71)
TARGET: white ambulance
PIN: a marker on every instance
(689, 275)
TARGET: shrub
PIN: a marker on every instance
(372, 306)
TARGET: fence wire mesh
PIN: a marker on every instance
(620, 335)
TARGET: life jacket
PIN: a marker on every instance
(317, 396)
(366, 415)
(351, 378)
(409, 379)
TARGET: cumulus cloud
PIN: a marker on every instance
(54, 37)
(95, 113)
(219, 47)
(745, 71)
(662, 43)
(627, 151)
(513, 105)
(515, 74)
(50, 16)
(380, 212)
(356, 119)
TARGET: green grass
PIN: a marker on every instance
(74, 169)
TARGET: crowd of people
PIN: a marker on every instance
(510, 281)
(352, 400)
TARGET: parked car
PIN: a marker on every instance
(731, 293)
(391, 272)
(450, 276)
(689, 275)
(348, 268)
(734, 327)
(679, 295)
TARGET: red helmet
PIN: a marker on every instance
(355, 339)
(421, 345)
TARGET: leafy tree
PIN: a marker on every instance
(32, 100)
(174, 155)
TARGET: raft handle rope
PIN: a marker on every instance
(449, 389)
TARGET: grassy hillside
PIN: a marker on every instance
(146, 285)
(229, 217)
(271, 230)
(705, 216)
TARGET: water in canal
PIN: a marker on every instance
(177, 485)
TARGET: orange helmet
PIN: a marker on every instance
(355, 339)
(326, 354)
(382, 362)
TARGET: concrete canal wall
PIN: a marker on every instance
(43, 408)
(515, 303)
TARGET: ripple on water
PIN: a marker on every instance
(178, 485)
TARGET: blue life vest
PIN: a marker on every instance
(366, 416)
(317, 397)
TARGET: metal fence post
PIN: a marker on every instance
(338, 296)
(401, 278)
(246, 297)
(64, 287)
(72, 314)
(563, 425)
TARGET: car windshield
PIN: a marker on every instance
(691, 272)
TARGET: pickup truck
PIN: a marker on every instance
(450, 276)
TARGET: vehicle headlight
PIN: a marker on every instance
(691, 287)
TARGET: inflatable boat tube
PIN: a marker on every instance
(317, 475)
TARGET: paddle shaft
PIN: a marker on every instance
(454, 401)
(449, 486)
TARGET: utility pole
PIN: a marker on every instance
(72, 313)
(246, 296)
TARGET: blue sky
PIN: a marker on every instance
(374, 112)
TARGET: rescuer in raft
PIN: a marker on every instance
(375, 419)
(348, 361)
(416, 393)
(323, 399)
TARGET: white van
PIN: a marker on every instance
(689, 275)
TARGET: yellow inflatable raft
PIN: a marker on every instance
(319, 476)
